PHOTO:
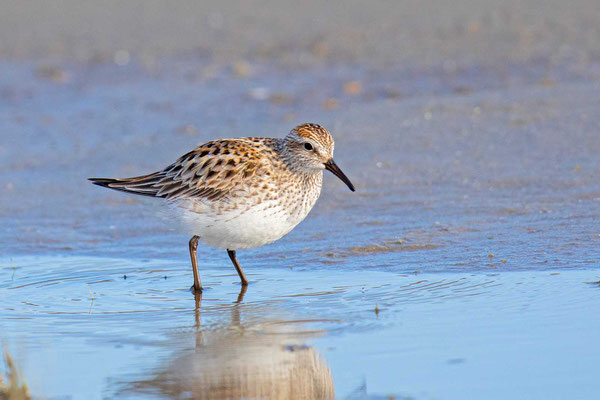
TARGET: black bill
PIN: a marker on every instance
(332, 166)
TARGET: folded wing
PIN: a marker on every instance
(213, 171)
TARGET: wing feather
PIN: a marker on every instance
(214, 171)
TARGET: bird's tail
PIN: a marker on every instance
(145, 185)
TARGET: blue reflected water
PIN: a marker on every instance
(79, 328)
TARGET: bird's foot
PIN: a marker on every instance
(194, 289)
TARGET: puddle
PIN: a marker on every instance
(78, 328)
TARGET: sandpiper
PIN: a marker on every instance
(241, 193)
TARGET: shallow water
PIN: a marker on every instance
(466, 264)
(368, 333)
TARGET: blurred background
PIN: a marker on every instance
(467, 258)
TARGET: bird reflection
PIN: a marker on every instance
(235, 313)
(259, 358)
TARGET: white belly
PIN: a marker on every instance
(260, 225)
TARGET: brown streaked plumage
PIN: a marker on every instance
(241, 193)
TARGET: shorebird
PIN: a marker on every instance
(241, 193)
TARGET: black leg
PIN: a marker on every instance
(237, 266)
(193, 246)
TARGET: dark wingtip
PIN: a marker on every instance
(141, 185)
(104, 182)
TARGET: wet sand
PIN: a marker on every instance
(463, 266)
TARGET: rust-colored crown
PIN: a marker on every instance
(315, 132)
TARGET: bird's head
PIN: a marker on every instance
(311, 149)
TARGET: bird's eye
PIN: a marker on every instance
(308, 146)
